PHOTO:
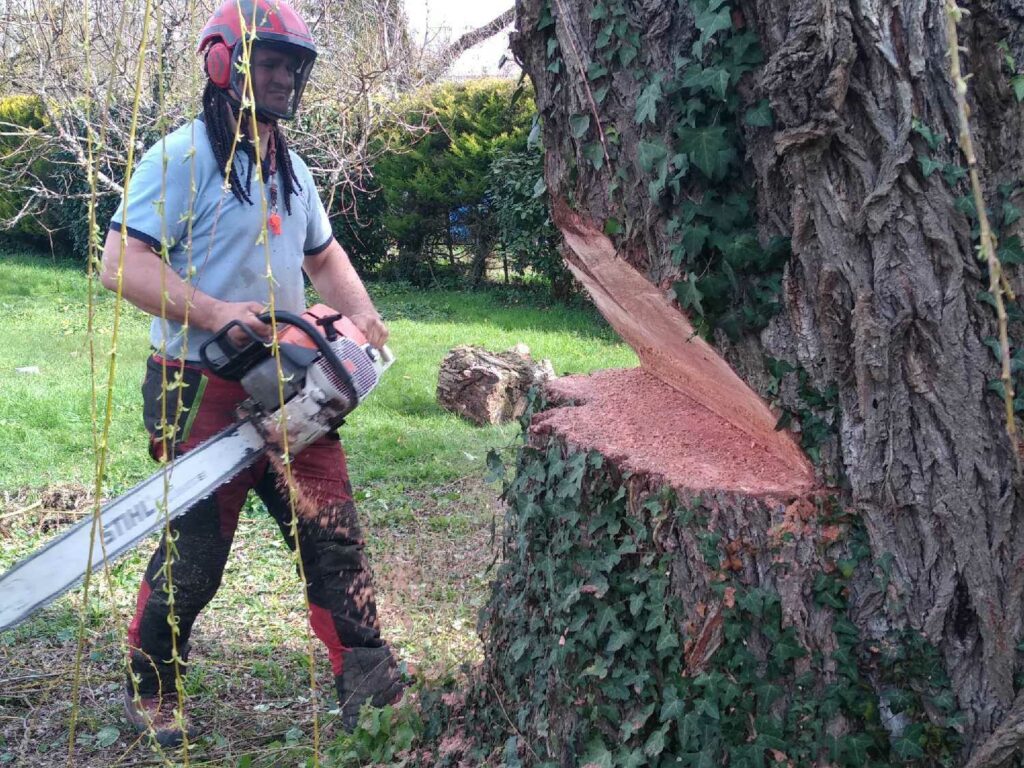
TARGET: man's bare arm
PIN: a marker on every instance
(337, 282)
(145, 276)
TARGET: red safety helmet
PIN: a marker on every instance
(274, 23)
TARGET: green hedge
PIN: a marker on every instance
(435, 182)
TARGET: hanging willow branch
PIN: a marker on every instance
(998, 285)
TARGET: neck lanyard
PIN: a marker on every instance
(274, 219)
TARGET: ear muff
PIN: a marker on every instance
(218, 64)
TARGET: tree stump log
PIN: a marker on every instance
(489, 387)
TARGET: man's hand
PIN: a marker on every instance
(372, 326)
(247, 313)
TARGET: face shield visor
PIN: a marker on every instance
(279, 72)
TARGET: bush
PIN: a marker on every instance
(526, 235)
(62, 216)
(17, 153)
(435, 181)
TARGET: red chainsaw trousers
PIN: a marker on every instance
(343, 611)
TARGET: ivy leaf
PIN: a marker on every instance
(906, 749)
(694, 239)
(1010, 213)
(926, 133)
(597, 755)
(627, 53)
(647, 102)
(649, 153)
(667, 640)
(594, 152)
(997, 386)
(855, 749)
(928, 166)
(707, 707)
(515, 651)
(986, 297)
(672, 710)
(1018, 86)
(760, 115)
(687, 295)
(993, 344)
(636, 602)
(539, 188)
(708, 149)
(618, 640)
(712, 20)
(1011, 251)
(787, 648)
(953, 173)
(512, 753)
(713, 79)
(656, 743)
(579, 124)
(746, 52)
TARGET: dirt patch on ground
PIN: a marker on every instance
(44, 511)
(249, 683)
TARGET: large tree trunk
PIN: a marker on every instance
(882, 301)
(880, 295)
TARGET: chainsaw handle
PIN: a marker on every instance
(229, 360)
(234, 362)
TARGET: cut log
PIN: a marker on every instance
(489, 387)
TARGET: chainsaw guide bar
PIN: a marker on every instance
(62, 563)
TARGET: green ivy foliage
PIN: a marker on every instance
(691, 153)
(65, 220)
(587, 644)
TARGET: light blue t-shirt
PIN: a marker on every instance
(222, 255)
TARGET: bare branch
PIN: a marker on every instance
(475, 36)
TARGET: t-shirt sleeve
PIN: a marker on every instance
(318, 228)
(155, 206)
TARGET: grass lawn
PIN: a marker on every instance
(418, 476)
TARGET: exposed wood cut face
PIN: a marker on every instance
(672, 353)
(650, 429)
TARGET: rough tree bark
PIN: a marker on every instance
(880, 295)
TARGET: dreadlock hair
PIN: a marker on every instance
(216, 106)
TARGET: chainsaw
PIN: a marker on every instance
(326, 369)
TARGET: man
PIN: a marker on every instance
(217, 228)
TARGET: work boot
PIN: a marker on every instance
(151, 715)
(369, 675)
